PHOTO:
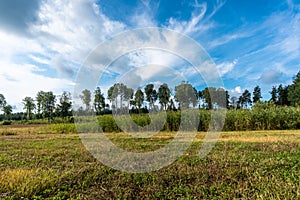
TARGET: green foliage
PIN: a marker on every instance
(151, 95)
(62, 128)
(7, 110)
(263, 116)
(256, 94)
(8, 132)
(139, 98)
(29, 106)
(164, 95)
(65, 105)
(185, 95)
(45, 105)
(86, 99)
(274, 95)
(119, 94)
(215, 96)
(294, 91)
(245, 99)
(99, 101)
(2, 100)
(6, 122)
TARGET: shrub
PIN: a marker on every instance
(6, 122)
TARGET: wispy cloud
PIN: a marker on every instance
(199, 21)
(225, 39)
(144, 15)
(268, 51)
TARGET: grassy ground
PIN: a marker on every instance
(49, 161)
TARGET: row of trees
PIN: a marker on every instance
(44, 104)
(187, 96)
(122, 97)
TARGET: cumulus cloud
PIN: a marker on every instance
(19, 81)
(236, 92)
(55, 34)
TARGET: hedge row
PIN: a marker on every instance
(258, 118)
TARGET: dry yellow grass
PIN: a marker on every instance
(39, 132)
(38, 162)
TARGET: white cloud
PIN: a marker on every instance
(74, 27)
(226, 67)
(61, 37)
(227, 38)
(199, 22)
(191, 26)
(144, 15)
(23, 80)
(236, 92)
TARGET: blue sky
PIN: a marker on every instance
(44, 43)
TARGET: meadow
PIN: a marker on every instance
(50, 162)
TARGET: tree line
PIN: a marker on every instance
(46, 105)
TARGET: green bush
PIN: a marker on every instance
(6, 122)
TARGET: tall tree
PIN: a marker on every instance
(7, 110)
(139, 98)
(294, 91)
(151, 95)
(39, 99)
(128, 95)
(274, 94)
(240, 102)
(2, 101)
(227, 99)
(282, 94)
(65, 104)
(99, 101)
(112, 95)
(256, 94)
(48, 105)
(206, 95)
(86, 99)
(185, 95)
(245, 99)
(164, 94)
(215, 97)
(29, 106)
(120, 95)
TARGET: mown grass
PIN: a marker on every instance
(50, 162)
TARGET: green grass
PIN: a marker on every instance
(50, 162)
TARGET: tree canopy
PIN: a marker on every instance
(294, 91)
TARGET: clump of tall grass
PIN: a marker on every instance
(8, 132)
(26, 182)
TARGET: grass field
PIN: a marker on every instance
(49, 161)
